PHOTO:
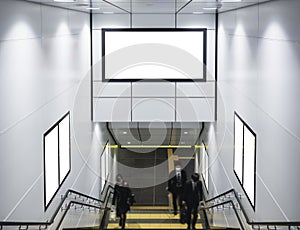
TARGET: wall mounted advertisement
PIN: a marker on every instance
(204, 165)
(152, 54)
(245, 157)
(104, 164)
(57, 157)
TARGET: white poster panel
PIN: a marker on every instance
(64, 148)
(103, 170)
(249, 164)
(206, 168)
(51, 164)
(238, 147)
(154, 54)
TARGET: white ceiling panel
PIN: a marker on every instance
(150, 6)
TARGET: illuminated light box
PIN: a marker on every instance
(245, 157)
(57, 159)
(154, 54)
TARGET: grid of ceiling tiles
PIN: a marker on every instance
(150, 6)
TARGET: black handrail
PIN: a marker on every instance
(83, 204)
(253, 222)
(234, 208)
(47, 223)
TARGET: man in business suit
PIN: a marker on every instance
(177, 180)
(193, 195)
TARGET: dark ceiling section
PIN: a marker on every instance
(163, 133)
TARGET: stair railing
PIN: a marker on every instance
(93, 203)
(253, 223)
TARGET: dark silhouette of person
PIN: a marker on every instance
(176, 182)
(122, 196)
(193, 195)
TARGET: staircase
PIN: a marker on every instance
(154, 217)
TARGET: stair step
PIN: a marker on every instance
(151, 226)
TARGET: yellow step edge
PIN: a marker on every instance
(152, 226)
(149, 207)
(154, 216)
(151, 216)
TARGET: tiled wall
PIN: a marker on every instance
(259, 56)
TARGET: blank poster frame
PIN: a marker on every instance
(104, 157)
(56, 125)
(204, 159)
(241, 180)
(204, 30)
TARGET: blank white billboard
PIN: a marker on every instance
(245, 157)
(132, 54)
(51, 164)
(56, 157)
(64, 148)
(238, 147)
(249, 164)
(204, 165)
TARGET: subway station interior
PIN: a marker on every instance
(96, 90)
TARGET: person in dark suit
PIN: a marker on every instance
(176, 182)
(122, 196)
(193, 195)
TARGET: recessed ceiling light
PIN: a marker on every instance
(108, 12)
(182, 142)
(93, 8)
(231, 0)
(64, 1)
(128, 142)
(124, 132)
(210, 8)
(185, 132)
(197, 12)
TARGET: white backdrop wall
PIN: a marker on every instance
(258, 77)
(131, 107)
(154, 21)
(44, 73)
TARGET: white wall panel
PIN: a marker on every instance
(158, 89)
(39, 78)
(104, 21)
(114, 89)
(153, 20)
(202, 21)
(196, 21)
(258, 78)
(19, 24)
(280, 83)
(112, 109)
(195, 89)
(54, 21)
(78, 22)
(111, 21)
(280, 21)
(227, 22)
(247, 21)
(211, 51)
(195, 109)
(21, 85)
(153, 109)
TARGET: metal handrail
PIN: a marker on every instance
(83, 204)
(51, 221)
(223, 203)
(253, 222)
